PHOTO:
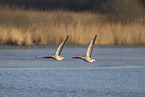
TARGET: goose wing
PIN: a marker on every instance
(61, 47)
(90, 48)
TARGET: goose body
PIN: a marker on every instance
(57, 56)
(87, 57)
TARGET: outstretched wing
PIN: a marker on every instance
(90, 48)
(61, 47)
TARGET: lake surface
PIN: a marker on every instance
(119, 71)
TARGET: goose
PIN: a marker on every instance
(87, 57)
(57, 56)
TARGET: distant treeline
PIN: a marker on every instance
(73, 5)
(115, 10)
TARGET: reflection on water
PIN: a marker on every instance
(80, 46)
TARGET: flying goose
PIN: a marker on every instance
(57, 56)
(87, 57)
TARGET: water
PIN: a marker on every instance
(119, 71)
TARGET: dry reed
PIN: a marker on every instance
(21, 27)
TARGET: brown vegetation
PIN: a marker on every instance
(29, 27)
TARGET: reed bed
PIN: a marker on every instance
(29, 27)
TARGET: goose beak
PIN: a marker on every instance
(93, 61)
(62, 58)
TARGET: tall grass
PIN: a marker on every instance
(21, 27)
